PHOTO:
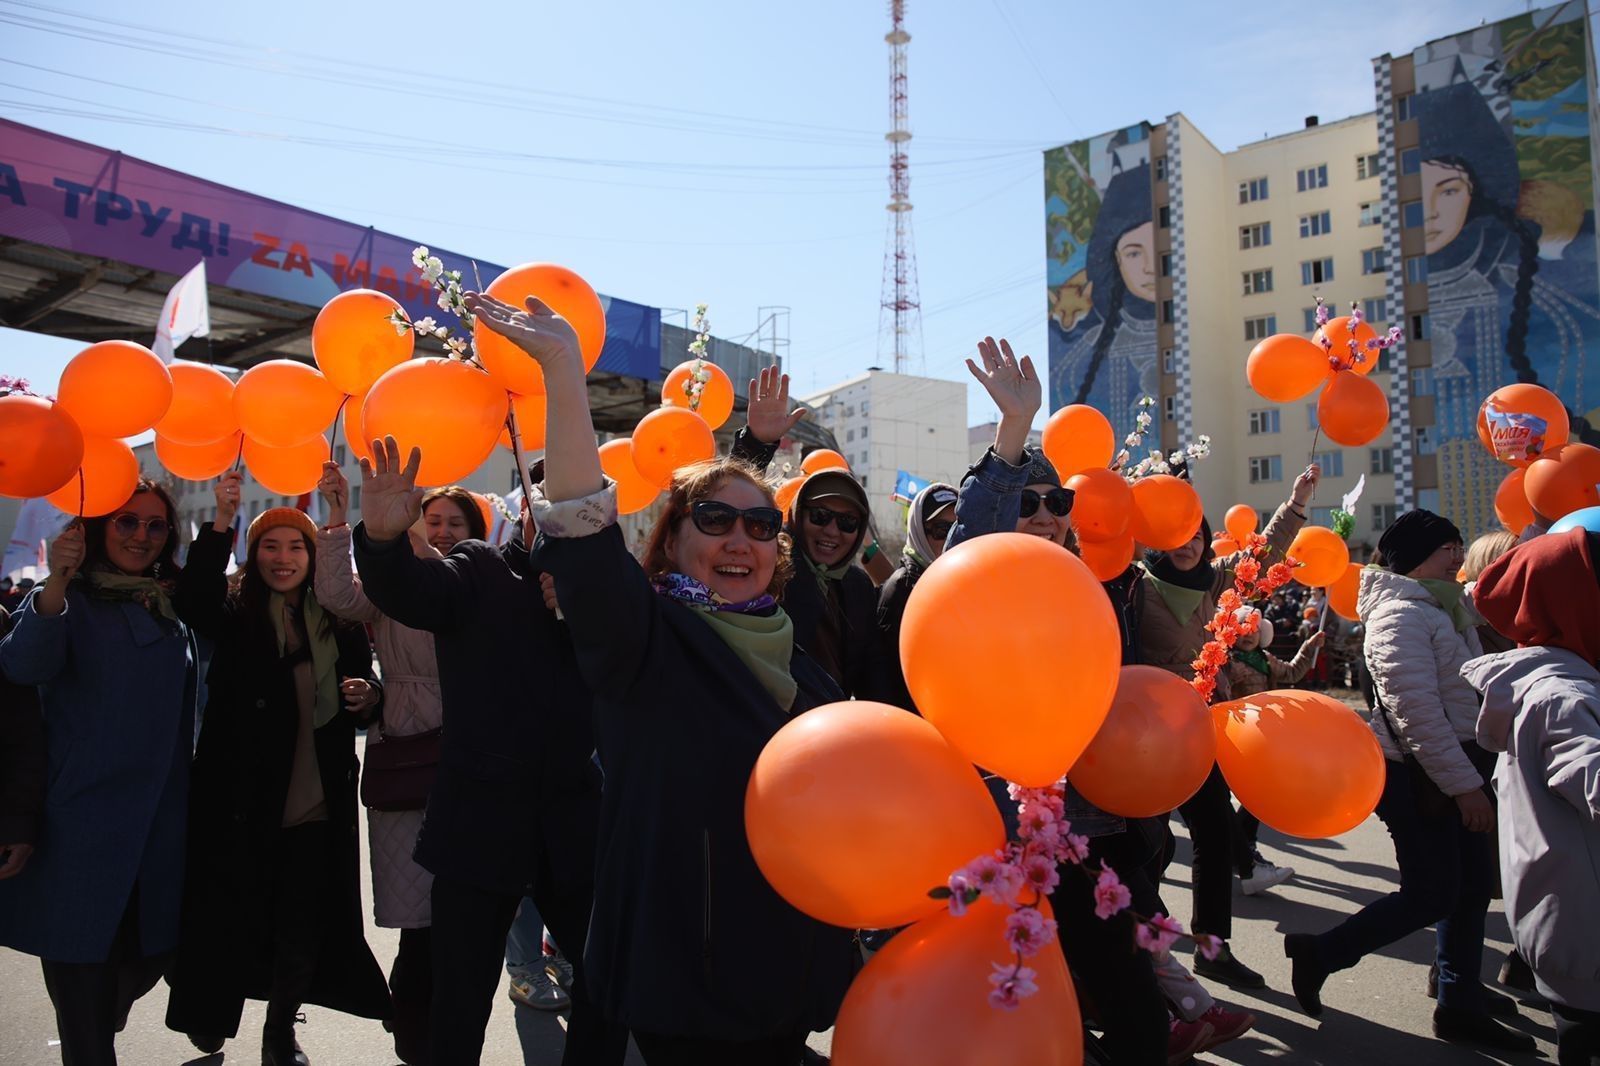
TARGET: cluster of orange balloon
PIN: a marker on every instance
(820, 459)
(1527, 427)
(1110, 514)
(1286, 367)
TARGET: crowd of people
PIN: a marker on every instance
(180, 788)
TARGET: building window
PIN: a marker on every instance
(1166, 264)
(1332, 464)
(1368, 166)
(1383, 516)
(355, 496)
(1252, 190)
(1315, 225)
(1256, 329)
(1164, 216)
(1322, 516)
(1411, 214)
(1167, 364)
(1416, 269)
(1411, 161)
(864, 430)
(1258, 235)
(1312, 177)
(1371, 214)
(863, 481)
(1161, 168)
(1385, 360)
(1420, 330)
(338, 454)
(1264, 421)
(1166, 311)
(1425, 442)
(866, 405)
(1257, 281)
(850, 435)
(1375, 310)
(1316, 271)
(1422, 381)
(1170, 406)
(1311, 416)
(1266, 468)
(1381, 460)
(1311, 320)
(1402, 107)
(1373, 261)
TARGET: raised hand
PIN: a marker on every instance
(539, 331)
(769, 417)
(66, 556)
(226, 491)
(334, 488)
(1010, 382)
(1305, 486)
(390, 499)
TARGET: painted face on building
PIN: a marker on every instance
(1136, 259)
(1446, 195)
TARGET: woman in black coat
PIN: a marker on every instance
(272, 902)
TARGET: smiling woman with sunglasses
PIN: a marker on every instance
(694, 667)
(98, 901)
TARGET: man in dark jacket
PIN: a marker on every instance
(22, 770)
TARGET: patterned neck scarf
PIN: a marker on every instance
(691, 593)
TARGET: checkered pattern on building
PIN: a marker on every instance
(1404, 445)
(1180, 284)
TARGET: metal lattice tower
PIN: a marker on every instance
(900, 309)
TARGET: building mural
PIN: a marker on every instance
(1101, 274)
(1507, 213)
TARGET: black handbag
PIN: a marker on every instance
(399, 771)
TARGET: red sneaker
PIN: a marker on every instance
(1186, 1040)
(1225, 1025)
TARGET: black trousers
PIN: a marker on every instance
(298, 913)
(469, 949)
(662, 1050)
(1247, 830)
(1105, 959)
(92, 999)
(411, 989)
(1577, 1035)
(1212, 832)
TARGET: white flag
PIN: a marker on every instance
(187, 313)
(37, 523)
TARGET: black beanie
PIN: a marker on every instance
(1414, 536)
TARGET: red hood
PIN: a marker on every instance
(1544, 594)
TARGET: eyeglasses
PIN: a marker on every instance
(127, 524)
(823, 517)
(1057, 501)
(937, 532)
(716, 519)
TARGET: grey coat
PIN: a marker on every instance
(1541, 706)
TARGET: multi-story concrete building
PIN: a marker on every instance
(981, 436)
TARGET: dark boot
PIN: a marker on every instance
(1307, 973)
(278, 1045)
(1516, 974)
(1461, 1026)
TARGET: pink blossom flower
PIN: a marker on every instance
(1012, 984)
(1033, 817)
(1209, 946)
(995, 877)
(959, 887)
(1075, 848)
(1027, 931)
(1039, 872)
(1111, 896)
(1158, 934)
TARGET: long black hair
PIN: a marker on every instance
(165, 567)
(253, 596)
(1124, 207)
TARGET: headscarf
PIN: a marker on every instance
(1546, 593)
(1414, 536)
(918, 554)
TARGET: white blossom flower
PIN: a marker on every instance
(419, 256)
(426, 325)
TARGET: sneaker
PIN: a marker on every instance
(559, 969)
(1227, 969)
(1471, 1027)
(1186, 1039)
(1265, 876)
(1225, 1025)
(535, 989)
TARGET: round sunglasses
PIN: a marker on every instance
(127, 524)
(716, 519)
(1057, 501)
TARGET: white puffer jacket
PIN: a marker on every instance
(1415, 655)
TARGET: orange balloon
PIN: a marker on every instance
(1564, 480)
(923, 1001)
(110, 474)
(1078, 437)
(1286, 367)
(1339, 334)
(1352, 410)
(291, 471)
(716, 397)
(1511, 504)
(451, 410)
(1155, 749)
(1303, 763)
(1241, 521)
(283, 402)
(667, 438)
(788, 492)
(1520, 442)
(823, 459)
(1223, 546)
(1167, 512)
(1322, 554)
(355, 437)
(41, 447)
(115, 389)
(565, 293)
(1107, 559)
(354, 342)
(1342, 593)
(1037, 728)
(530, 411)
(202, 406)
(856, 809)
(198, 462)
(634, 493)
(1102, 504)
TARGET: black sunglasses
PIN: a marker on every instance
(716, 519)
(937, 531)
(1057, 501)
(127, 525)
(823, 517)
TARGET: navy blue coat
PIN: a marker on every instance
(117, 688)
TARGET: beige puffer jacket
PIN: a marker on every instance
(1415, 655)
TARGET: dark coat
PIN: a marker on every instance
(892, 600)
(117, 688)
(516, 780)
(687, 936)
(22, 758)
(241, 777)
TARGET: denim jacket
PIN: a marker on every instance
(990, 501)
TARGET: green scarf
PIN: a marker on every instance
(1255, 659)
(764, 643)
(1453, 598)
(824, 574)
(1182, 602)
(117, 587)
(324, 652)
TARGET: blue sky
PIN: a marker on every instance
(729, 153)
